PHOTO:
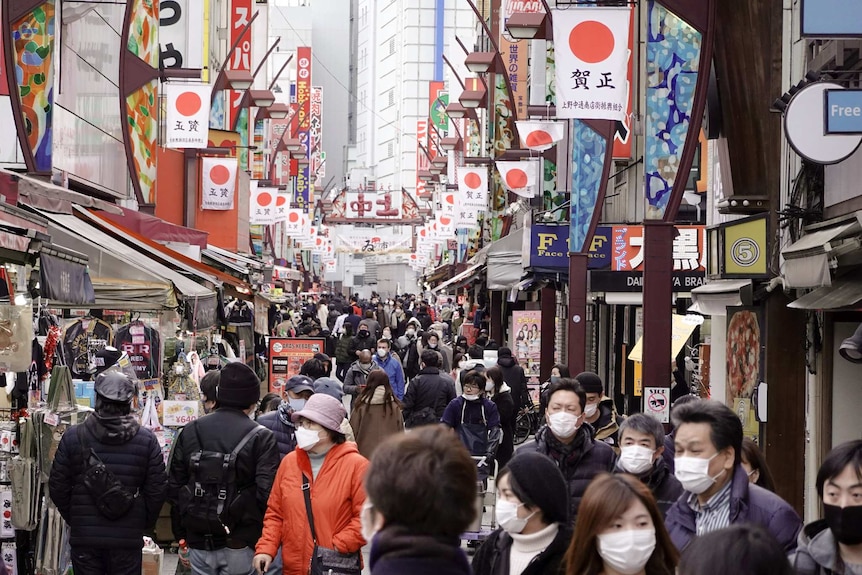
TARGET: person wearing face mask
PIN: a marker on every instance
(754, 463)
(332, 469)
(834, 545)
(514, 375)
(431, 340)
(708, 441)
(641, 447)
(428, 393)
(362, 340)
(408, 348)
(620, 532)
(297, 390)
(356, 376)
(600, 411)
(388, 362)
(501, 394)
(569, 443)
(532, 511)
(476, 421)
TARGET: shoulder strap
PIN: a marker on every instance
(248, 437)
(84, 447)
(306, 493)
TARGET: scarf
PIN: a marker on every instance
(566, 454)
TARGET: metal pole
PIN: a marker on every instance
(577, 317)
(658, 295)
(217, 86)
(245, 102)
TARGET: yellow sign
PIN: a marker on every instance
(745, 248)
(639, 379)
(683, 326)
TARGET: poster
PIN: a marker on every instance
(179, 413)
(744, 356)
(528, 345)
(657, 403)
(286, 356)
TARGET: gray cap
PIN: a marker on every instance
(299, 383)
(115, 386)
(329, 386)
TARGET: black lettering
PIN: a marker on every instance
(175, 12)
(170, 57)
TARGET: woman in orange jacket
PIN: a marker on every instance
(335, 471)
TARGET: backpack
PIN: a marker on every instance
(210, 503)
(112, 498)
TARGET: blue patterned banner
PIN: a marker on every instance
(673, 57)
(588, 159)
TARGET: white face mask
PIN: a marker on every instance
(591, 409)
(562, 424)
(636, 459)
(306, 438)
(471, 396)
(489, 386)
(382, 353)
(432, 345)
(627, 552)
(410, 332)
(693, 473)
(507, 516)
(462, 364)
(366, 518)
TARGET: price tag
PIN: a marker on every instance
(52, 419)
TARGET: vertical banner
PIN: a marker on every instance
(218, 183)
(592, 61)
(623, 135)
(588, 158)
(262, 205)
(240, 14)
(528, 346)
(422, 163)
(438, 121)
(4, 79)
(257, 152)
(315, 131)
(303, 101)
(516, 53)
(187, 115)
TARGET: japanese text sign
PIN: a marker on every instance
(302, 195)
(240, 15)
(181, 33)
(187, 115)
(689, 248)
(286, 356)
(218, 183)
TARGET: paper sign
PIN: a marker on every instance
(657, 403)
(179, 413)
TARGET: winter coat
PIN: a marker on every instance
(606, 426)
(342, 350)
(426, 397)
(393, 369)
(817, 551)
(508, 414)
(492, 558)
(256, 464)
(408, 352)
(514, 375)
(282, 428)
(580, 461)
(445, 354)
(337, 496)
(374, 421)
(748, 504)
(397, 551)
(355, 378)
(133, 455)
(368, 342)
(664, 486)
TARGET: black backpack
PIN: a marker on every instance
(112, 498)
(211, 502)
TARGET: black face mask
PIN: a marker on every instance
(363, 333)
(845, 523)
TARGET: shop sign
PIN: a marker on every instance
(843, 111)
(302, 195)
(65, 281)
(601, 250)
(620, 282)
(179, 413)
(240, 15)
(832, 18)
(549, 246)
(689, 248)
(744, 246)
(181, 27)
(286, 356)
(526, 325)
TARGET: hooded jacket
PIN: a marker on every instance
(748, 504)
(337, 496)
(133, 455)
(427, 396)
(359, 343)
(817, 551)
(397, 551)
(282, 428)
(393, 369)
(374, 421)
(354, 379)
(580, 461)
(514, 375)
(492, 558)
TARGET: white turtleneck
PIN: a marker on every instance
(526, 547)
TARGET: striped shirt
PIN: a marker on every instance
(715, 514)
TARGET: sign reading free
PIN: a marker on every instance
(843, 110)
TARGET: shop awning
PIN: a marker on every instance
(233, 263)
(715, 297)
(49, 197)
(844, 293)
(64, 276)
(467, 276)
(158, 229)
(506, 261)
(806, 261)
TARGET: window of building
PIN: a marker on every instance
(392, 45)
(392, 97)
(390, 149)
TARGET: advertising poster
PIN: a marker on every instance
(286, 356)
(528, 346)
(240, 14)
(302, 191)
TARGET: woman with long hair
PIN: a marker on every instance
(755, 465)
(376, 413)
(501, 394)
(620, 530)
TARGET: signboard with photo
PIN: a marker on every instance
(286, 356)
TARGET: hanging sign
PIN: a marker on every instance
(286, 356)
(540, 135)
(521, 178)
(592, 62)
(218, 183)
(262, 206)
(187, 115)
(181, 29)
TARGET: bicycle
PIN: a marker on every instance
(527, 423)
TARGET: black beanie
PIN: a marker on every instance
(591, 382)
(540, 481)
(238, 386)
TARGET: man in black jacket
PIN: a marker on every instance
(101, 546)
(428, 393)
(514, 375)
(230, 549)
(363, 339)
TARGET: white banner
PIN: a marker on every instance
(218, 183)
(293, 222)
(540, 135)
(592, 49)
(521, 178)
(262, 206)
(187, 115)
(353, 240)
(282, 204)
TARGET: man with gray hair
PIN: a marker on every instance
(642, 445)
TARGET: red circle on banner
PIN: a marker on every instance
(219, 174)
(293, 217)
(280, 200)
(516, 179)
(264, 199)
(445, 220)
(318, 241)
(591, 41)
(450, 199)
(473, 180)
(538, 138)
(188, 103)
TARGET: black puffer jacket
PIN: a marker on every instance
(282, 428)
(133, 455)
(664, 486)
(580, 461)
(514, 375)
(221, 431)
(426, 397)
(492, 558)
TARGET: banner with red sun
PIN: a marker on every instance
(540, 135)
(472, 181)
(293, 222)
(187, 115)
(218, 183)
(592, 63)
(521, 178)
(262, 207)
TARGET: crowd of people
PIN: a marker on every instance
(392, 458)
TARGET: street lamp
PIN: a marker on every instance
(238, 80)
(262, 98)
(450, 144)
(278, 111)
(475, 98)
(482, 62)
(531, 25)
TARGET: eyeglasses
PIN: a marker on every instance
(310, 425)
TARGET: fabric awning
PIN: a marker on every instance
(844, 293)
(64, 276)
(461, 279)
(46, 196)
(158, 229)
(806, 261)
(715, 297)
(506, 261)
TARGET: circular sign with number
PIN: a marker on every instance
(745, 252)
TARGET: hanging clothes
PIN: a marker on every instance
(240, 329)
(143, 345)
(80, 337)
